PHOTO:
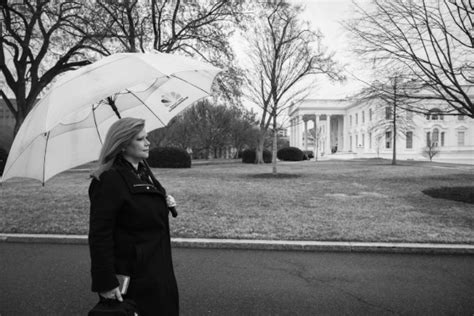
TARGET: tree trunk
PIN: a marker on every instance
(18, 123)
(394, 156)
(274, 149)
(20, 115)
(259, 149)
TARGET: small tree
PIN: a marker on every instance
(391, 106)
(282, 56)
(318, 134)
(431, 150)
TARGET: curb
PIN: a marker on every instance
(288, 245)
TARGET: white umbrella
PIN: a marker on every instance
(67, 126)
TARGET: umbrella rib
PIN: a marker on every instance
(191, 84)
(95, 124)
(147, 107)
(44, 157)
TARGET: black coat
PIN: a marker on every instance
(129, 234)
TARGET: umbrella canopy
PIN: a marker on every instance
(67, 126)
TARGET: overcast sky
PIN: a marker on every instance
(326, 15)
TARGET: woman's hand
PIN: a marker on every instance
(170, 201)
(112, 294)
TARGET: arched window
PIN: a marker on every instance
(434, 115)
(435, 137)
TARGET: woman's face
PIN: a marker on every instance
(138, 149)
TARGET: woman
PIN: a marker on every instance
(129, 228)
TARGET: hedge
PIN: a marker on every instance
(290, 154)
(169, 157)
(308, 154)
(3, 159)
(249, 156)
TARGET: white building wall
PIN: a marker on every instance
(357, 125)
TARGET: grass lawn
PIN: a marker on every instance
(358, 200)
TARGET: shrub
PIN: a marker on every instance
(3, 159)
(249, 155)
(169, 157)
(308, 154)
(290, 154)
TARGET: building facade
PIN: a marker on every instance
(339, 129)
(7, 124)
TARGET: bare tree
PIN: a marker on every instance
(433, 39)
(282, 57)
(394, 110)
(38, 42)
(316, 134)
(199, 29)
(431, 150)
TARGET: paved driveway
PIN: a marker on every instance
(53, 279)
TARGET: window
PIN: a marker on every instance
(370, 140)
(409, 113)
(435, 137)
(350, 142)
(442, 139)
(350, 120)
(409, 139)
(460, 138)
(428, 139)
(357, 118)
(363, 140)
(363, 117)
(388, 113)
(388, 140)
(461, 118)
(434, 115)
(370, 114)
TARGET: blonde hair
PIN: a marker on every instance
(119, 136)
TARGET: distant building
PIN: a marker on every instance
(7, 124)
(347, 131)
(283, 132)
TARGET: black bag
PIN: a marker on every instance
(113, 307)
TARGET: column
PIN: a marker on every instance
(291, 132)
(317, 150)
(340, 137)
(315, 135)
(345, 134)
(305, 135)
(292, 136)
(328, 136)
(298, 132)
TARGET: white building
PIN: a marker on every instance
(345, 130)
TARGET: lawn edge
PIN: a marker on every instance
(251, 244)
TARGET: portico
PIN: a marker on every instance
(319, 126)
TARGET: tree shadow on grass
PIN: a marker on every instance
(274, 176)
(460, 194)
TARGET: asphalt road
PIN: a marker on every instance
(53, 279)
